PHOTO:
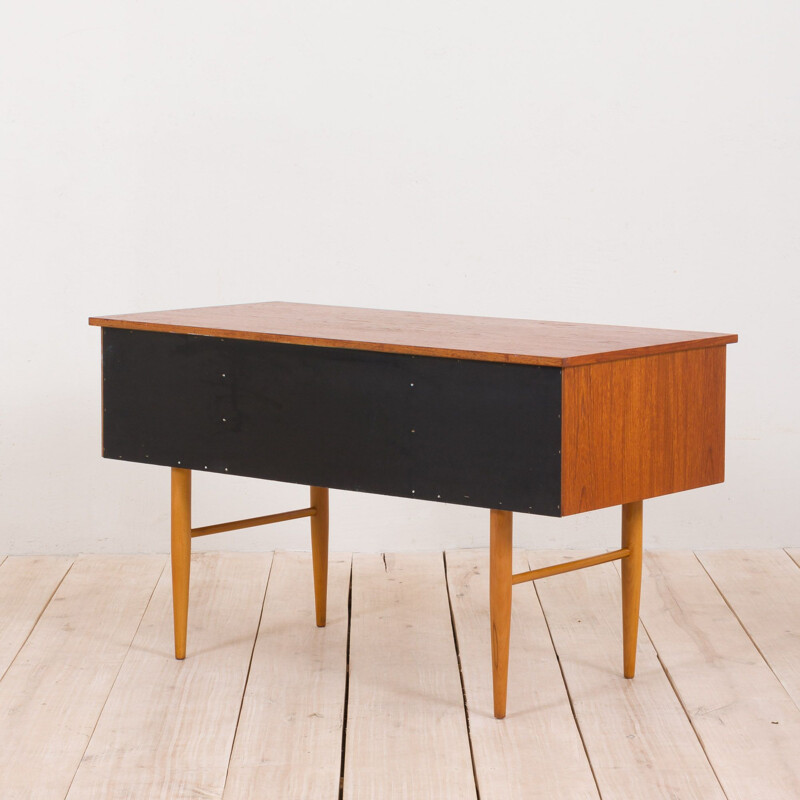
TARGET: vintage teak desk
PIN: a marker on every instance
(510, 415)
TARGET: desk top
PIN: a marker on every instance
(520, 341)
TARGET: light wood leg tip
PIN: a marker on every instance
(319, 552)
(500, 558)
(181, 555)
(631, 575)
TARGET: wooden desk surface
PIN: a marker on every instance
(520, 341)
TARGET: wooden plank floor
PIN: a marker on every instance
(393, 698)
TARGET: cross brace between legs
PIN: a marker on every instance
(568, 566)
(253, 521)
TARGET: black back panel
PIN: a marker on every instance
(468, 432)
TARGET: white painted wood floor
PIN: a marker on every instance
(393, 698)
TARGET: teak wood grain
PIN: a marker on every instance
(520, 341)
(641, 428)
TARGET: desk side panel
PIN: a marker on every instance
(467, 432)
(642, 427)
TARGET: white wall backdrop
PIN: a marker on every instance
(622, 162)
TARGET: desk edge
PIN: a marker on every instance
(712, 340)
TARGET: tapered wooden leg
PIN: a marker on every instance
(631, 583)
(181, 554)
(500, 604)
(319, 551)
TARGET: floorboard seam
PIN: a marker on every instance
(678, 696)
(247, 676)
(347, 678)
(688, 715)
(33, 627)
(744, 628)
(116, 677)
(566, 685)
(461, 678)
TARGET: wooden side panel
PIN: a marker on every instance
(642, 427)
